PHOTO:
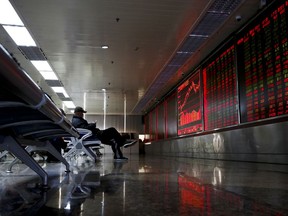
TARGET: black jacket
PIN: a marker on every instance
(79, 122)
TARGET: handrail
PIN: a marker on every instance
(87, 133)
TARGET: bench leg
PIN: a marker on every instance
(10, 144)
(70, 153)
(79, 147)
(47, 146)
(90, 153)
(51, 149)
(15, 161)
(3, 154)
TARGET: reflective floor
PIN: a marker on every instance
(146, 185)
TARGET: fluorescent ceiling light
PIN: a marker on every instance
(49, 75)
(8, 16)
(198, 35)
(183, 52)
(104, 47)
(69, 104)
(20, 35)
(45, 70)
(42, 65)
(60, 90)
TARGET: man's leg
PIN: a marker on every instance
(118, 155)
(111, 133)
(116, 149)
(112, 137)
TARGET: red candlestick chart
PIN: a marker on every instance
(189, 111)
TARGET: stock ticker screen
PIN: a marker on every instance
(219, 90)
(262, 58)
(189, 109)
(257, 58)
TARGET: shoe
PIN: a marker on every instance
(120, 158)
(129, 143)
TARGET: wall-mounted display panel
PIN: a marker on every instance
(161, 121)
(171, 116)
(153, 125)
(262, 57)
(189, 106)
(244, 81)
(220, 102)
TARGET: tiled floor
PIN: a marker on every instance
(146, 185)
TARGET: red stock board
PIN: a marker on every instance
(262, 56)
(219, 90)
(189, 110)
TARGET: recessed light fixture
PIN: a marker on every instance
(60, 90)
(199, 35)
(48, 75)
(104, 46)
(41, 65)
(20, 35)
(69, 104)
(45, 70)
(8, 15)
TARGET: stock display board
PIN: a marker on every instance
(262, 67)
(161, 121)
(189, 110)
(219, 90)
(171, 116)
(262, 58)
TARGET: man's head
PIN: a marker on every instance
(79, 111)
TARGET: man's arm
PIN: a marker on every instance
(91, 126)
(82, 123)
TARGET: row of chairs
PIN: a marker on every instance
(75, 148)
(29, 119)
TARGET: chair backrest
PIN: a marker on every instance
(26, 111)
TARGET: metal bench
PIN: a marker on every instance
(28, 117)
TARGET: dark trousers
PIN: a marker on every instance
(59, 144)
(112, 137)
(111, 134)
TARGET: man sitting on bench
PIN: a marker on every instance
(109, 136)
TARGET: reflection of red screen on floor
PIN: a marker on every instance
(189, 112)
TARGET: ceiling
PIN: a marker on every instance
(152, 46)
